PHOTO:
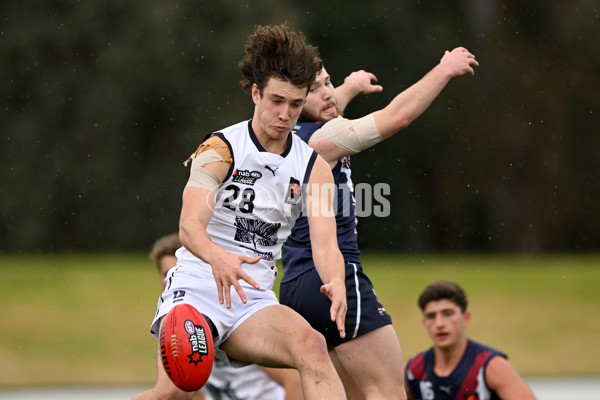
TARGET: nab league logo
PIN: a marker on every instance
(246, 177)
(197, 340)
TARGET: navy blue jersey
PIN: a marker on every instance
(466, 382)
(297, 251)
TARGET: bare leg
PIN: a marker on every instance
(277, 336)
(353, 392)
(374, 360)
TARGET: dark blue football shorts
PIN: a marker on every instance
(365, 312)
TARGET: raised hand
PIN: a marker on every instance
(459, 62)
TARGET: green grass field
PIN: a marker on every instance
(83, 318)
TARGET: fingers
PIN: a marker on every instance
(224, 289)
(225, 278)
(372, 77)
(220, 291)
(341, 324)
(245, 276)
(248, 279)
(337, 312)
(240, 292)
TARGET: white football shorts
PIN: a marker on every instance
(194, 285)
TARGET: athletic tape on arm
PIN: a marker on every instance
(212, 150)
(354, 135)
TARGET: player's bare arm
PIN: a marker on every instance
(339, 137)
(504, 380)
(326, 254)
(412, 102)
(358, 82)
(196, 211)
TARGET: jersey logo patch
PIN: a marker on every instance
(294, 192)
(257, 233)
(246, 177)
(271, 169)
(178, 295)
(471, 396)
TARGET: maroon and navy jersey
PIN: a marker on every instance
(297, 251)
(466, 382)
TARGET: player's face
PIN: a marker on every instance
(321, 102)
(445, 322)
(277, 109)
(165, 263)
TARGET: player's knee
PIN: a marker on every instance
(313, 343)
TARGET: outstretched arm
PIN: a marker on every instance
(323, 236)
(358, 82)
(504, 380)
(339, 137)
(411, 103)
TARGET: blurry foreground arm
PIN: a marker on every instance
(358, 82)
(323, 236)
(504, 380)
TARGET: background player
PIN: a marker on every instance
(457, 367)
(369, 328)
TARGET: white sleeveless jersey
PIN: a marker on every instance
(258, 202)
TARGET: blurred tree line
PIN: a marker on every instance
(102, 102)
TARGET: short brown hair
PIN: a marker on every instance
(164, 246)
(443, 290)
(274, 51)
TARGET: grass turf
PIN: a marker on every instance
(83, 318)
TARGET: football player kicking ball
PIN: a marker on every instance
(370, 333)
(239, 205)
(457, 368)
(251, 382)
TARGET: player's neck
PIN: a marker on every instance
(276, 144)
(447, 358)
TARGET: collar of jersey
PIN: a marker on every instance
(261, 148)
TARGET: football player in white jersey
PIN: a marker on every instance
(237, 213)
(378, 373)
(251, 382)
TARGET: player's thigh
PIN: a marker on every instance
(353, 391)
(274, 336)
(380, 355)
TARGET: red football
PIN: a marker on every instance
(186, 347)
